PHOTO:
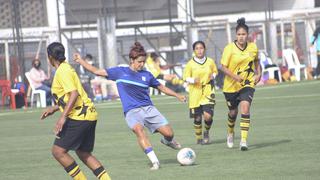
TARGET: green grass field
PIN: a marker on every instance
(284, 141)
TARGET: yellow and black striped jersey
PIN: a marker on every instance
(201, 93)
(66, 80)
(240, 62)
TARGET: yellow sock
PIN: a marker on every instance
(80, 176)
(74, 171)
(231, 123)
(105, 176)
(244, 125)
(101, 173)
(198, 131)
(207, 124)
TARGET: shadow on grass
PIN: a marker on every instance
(174, 161)
(267, 144)
(220, 141)
(169, 161)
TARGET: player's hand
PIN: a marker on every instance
(59, 125)
(76, 57)
(238, 78)
(182, 98)
(197, 80)
(257, 78)
(48, 112)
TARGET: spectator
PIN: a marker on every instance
(38, 78)
(316, 39)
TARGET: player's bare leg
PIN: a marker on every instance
(208, 123)
(69, 164)
(88, 159)
(145, 144)
(168, 135)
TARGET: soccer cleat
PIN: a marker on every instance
(173, 144)
(155, 166)
(206, 138)
(230, 140)
(243, 146)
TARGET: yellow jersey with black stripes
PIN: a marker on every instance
(202, 93)
(152, 67)
(66, 80)
(240, 62)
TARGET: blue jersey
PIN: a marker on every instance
(133, 86)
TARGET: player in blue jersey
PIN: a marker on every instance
(133, 85)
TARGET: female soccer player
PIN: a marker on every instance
(153, 65)
(133, 85)
(199, 73)
(75, 128)
(241, 66)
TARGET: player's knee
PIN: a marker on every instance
(83, 155)
(58, 153)
(233, 114)
(169, 134)
(197, 119)
(138, 131)
(166, 131)
(207, 117)
(245, 110)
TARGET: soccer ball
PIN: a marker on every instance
(186, 156)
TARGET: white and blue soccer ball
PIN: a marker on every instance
(186, 156)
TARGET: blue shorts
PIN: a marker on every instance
(147, 116)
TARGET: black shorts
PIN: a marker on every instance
(233, 99)
(77, 135)
(198, 111)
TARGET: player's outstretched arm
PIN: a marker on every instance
(169, 92)
(49, 111)
(99, 72)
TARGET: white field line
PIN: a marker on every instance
(117, 104)
(221, 100)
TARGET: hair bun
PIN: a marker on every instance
(137, 44)
(137, 50)
(241, 21)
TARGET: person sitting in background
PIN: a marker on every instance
(38, 78)
(105, 88)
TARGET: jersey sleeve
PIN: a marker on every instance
(153, 81)
(226, 55)
(187, 72)
(67, 79)
(214, 68)
(113, 73)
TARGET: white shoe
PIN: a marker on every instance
(155, 166)
(243, 146)
(230, 138)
